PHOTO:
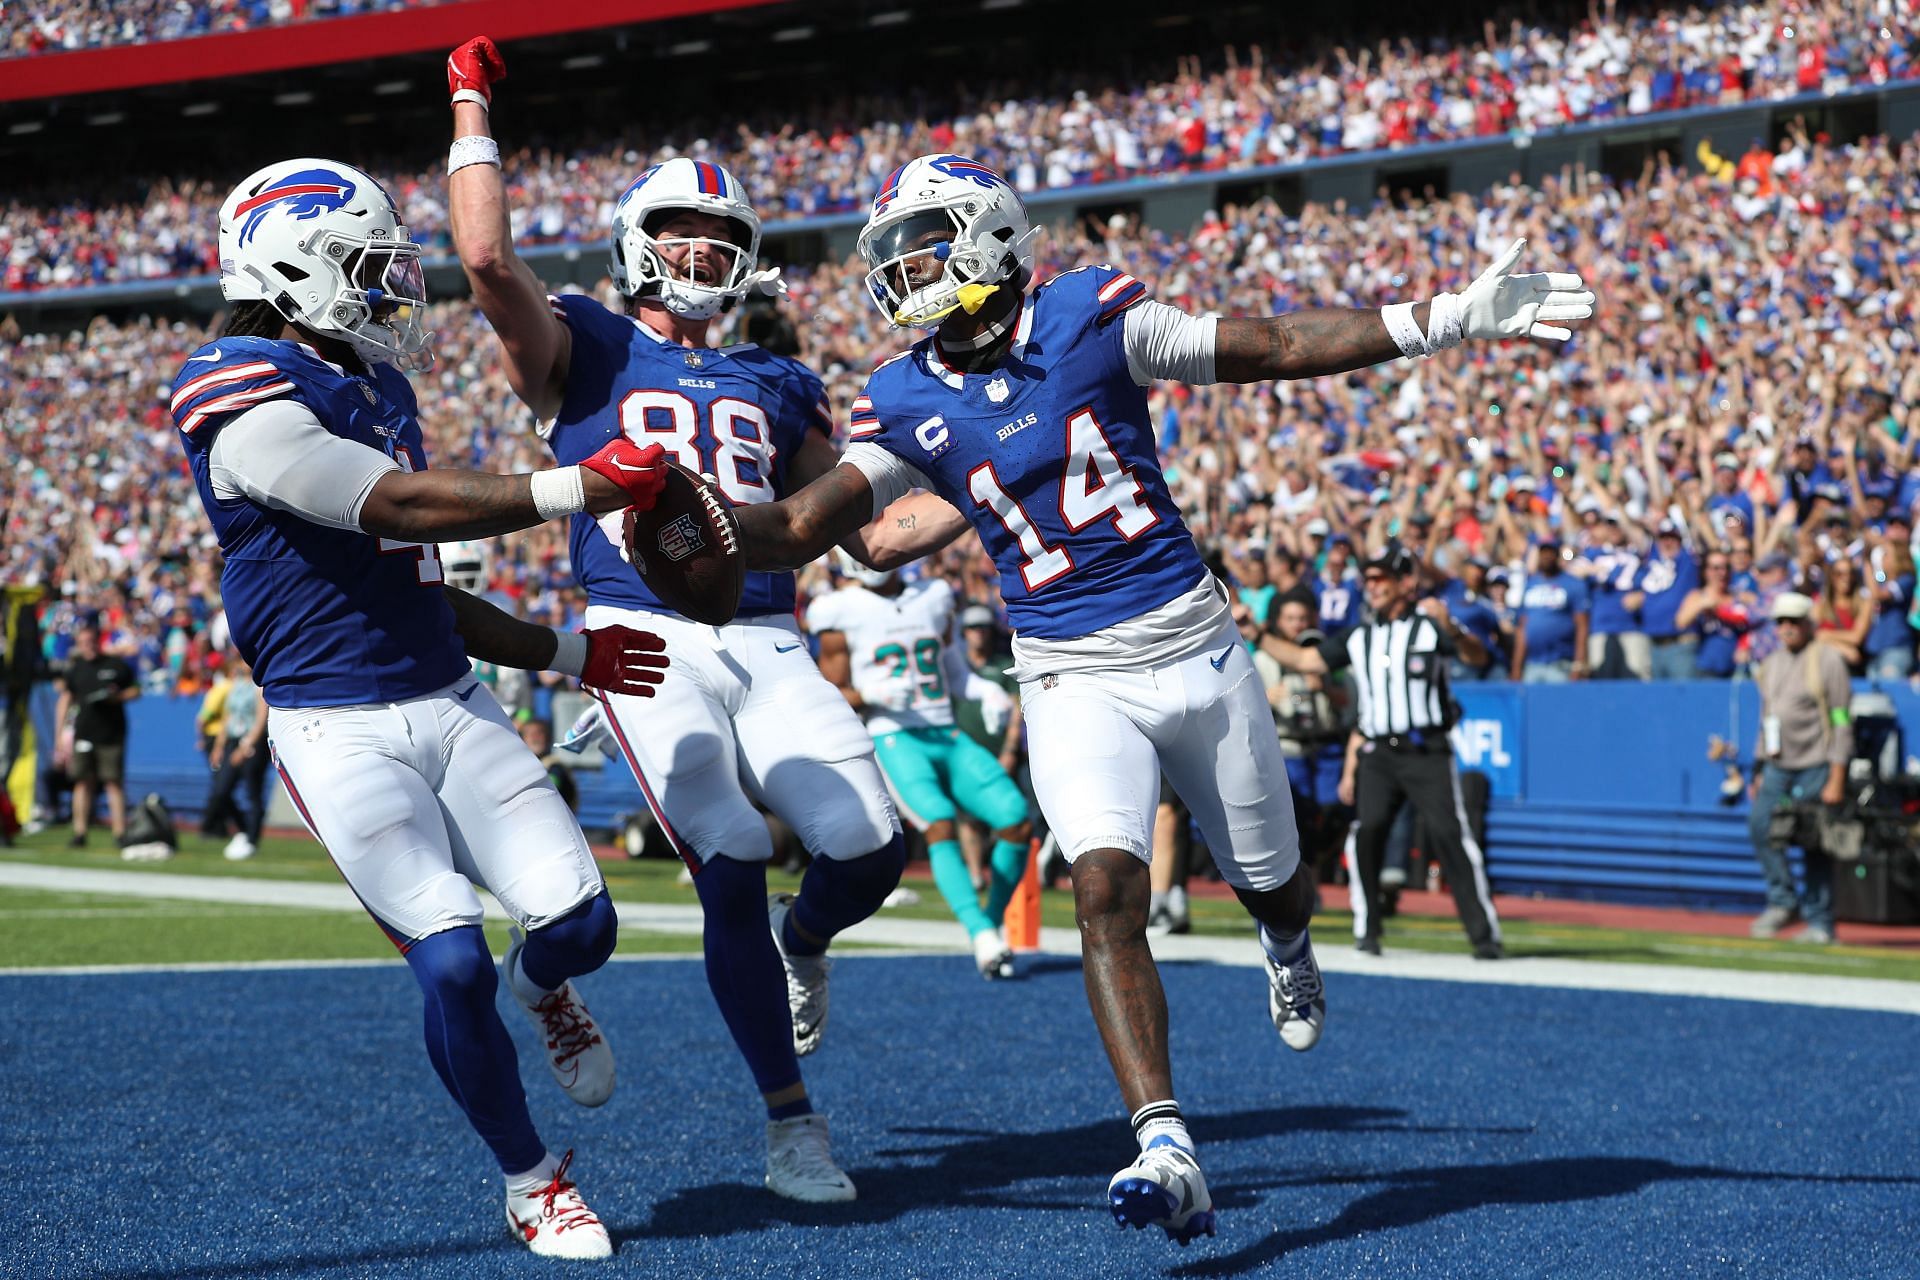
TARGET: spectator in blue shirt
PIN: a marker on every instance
(1616, 648)
(1890, 579)
(1465, 599)
(1550, 644)
(1726, 495)
(1340, 600)
(1716, 614)
(1666, 578)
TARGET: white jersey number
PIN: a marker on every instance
(431, 573)
(741, 461)
(1094, 486)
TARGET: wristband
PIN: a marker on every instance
(558, 491)
(472, 95)
(1445, 318)
(475, 148)
(569, 653)
(1402, 328)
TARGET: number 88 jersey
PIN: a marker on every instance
(1051, 455)
(734, 413)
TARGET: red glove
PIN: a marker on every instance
(640, 473)
(473, 68)
(623, 660)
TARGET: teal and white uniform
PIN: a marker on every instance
(908, 667)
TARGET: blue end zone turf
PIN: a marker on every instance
(248, 1126)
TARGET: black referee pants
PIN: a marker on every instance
(1385, 779)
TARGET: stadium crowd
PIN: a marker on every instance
(828, 155)
(60, 26)
(1737, 421)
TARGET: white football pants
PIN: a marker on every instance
(1098, 740)
(743, 717)
(418, 801)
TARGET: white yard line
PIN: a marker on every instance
(945, 937)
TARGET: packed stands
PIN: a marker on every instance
(59, 26)
(1248, 110)
(1739, 318)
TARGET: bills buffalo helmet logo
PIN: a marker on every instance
(306, 194)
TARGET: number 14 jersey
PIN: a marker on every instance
(1051, 454)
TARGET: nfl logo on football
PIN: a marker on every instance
(680, 537)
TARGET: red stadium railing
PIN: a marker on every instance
(345, 39)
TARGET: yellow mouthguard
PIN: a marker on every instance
(974, 296)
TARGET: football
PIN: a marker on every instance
(687, 549)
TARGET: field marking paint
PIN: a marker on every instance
(946, 937)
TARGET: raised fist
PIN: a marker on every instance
(636, 473)
(473, 68)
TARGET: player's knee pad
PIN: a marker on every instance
(579, 942)
(454, 966)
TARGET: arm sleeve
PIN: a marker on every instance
(1166, 342)
(1333, 650)
(280, 456)
(890, 476)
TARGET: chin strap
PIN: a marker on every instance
(985, 338)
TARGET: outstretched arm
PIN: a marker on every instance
(617, 658)
(915, 526)
(536, 343)
(799, 529)
(1329, 340)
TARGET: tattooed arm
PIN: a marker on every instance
(1304, 344)
(912, 527)
(798, 529)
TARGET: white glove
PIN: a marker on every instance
(996, 706)
(1503, 305)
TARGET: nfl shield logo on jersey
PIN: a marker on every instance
(680, 537)
(997, 390)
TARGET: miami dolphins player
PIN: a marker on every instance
(305, 446)
(721, 736)
(1027, 409)
(889, 646)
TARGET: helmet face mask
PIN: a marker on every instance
(323, 244)
(695, 276)
(950, 212)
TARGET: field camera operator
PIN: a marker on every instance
(1806, 740)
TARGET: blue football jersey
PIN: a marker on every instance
(1051, 455)
(737, 414)
(327, 617)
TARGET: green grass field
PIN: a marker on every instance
(39, 928)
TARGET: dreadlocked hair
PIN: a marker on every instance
(253, 319)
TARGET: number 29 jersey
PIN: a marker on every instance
(897, 649)
(737, 414)
(1051, 455)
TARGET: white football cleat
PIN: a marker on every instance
(806, 981)
(992, 955)
(555, 1222)
(239, 849)
(577, 1054)
(800, 1162)
(1296, 998)
(1163, 1188)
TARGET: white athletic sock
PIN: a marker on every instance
(525, 1184)
(1161, 1120)
(1155, 901)
(1177, 900)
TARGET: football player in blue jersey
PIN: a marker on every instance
(748, 718)
(1027, 409)
(306, 449)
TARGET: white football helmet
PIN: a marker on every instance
(847, 567)
(945, 232)
(323, 244)
(669, 187)
(465, 566)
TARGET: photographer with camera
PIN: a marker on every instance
(1806, 739)
(1313, 714)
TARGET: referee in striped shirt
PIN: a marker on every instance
(1398, 753)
